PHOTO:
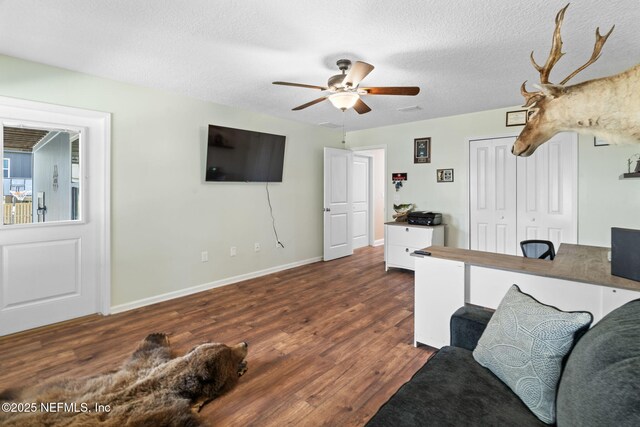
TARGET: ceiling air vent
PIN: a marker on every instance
(410, 109)
(329, 125)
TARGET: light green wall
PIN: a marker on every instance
(603, 199)
(163, 214)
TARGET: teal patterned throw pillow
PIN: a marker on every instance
(524, 345)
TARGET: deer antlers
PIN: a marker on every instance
(555, 55)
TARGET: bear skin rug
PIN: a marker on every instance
(150, 389)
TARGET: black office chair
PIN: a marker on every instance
(542, 249)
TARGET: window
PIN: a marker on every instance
(42, 171)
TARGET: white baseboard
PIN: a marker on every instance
(378, 242)
(204, 287)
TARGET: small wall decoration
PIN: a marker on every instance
(517, 118)
(636, 171)
(422, 150)
(398, 178)
(444, 175)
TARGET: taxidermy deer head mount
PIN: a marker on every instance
(608, 108)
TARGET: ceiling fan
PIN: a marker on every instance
(345, 89)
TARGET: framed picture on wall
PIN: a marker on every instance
(444, 175)
(422, 150)
(516, 118)
(597, 142)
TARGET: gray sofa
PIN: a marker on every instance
(599, 386)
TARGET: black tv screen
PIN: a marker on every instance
(238, 155)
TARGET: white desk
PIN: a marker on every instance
(578, 279)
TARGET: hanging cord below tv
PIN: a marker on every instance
(273, 220)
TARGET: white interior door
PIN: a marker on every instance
(57, 269)
(547, 192)
(492, 194)
(361, 201)
(338, 208)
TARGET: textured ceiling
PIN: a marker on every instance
(465, 56)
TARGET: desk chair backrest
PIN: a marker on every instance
(542, 249)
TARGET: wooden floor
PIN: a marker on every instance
(329, 342)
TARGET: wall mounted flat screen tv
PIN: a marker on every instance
(238, 155)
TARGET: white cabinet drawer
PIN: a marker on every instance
(400, 256)
(410, 236)
(402, 239)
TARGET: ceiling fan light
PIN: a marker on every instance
(344, 100)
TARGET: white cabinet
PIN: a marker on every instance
(401, 239)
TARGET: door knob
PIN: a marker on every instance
(327, 209)
(533, 219)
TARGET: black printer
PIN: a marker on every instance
(424, 218)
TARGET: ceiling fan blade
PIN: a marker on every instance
(392, 90)
(358, 71)
(309, 104)
(361, 107)
(300, 85)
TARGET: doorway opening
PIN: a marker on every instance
(376, 189)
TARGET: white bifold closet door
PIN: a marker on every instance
(520, 198)
(548, 192)
(492, 196)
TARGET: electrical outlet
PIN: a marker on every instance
(204, 256)
(233, 251)
(256, 247)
